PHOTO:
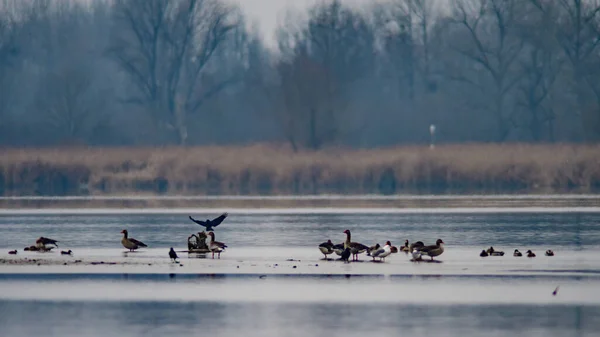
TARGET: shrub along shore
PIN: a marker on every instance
(276, 170)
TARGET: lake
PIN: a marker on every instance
(271, 281)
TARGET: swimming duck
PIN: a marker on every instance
(209, 224)
(131, 243)
(326, 248)
(13, 252)
(433, 250)
(372, 249)
(355, 247)
(173, 255)
(530, 253)
(381, 253)
(517, 253)
(493, 252)
(69, 252)
(549, 252)
(483, 253)
(215, 246)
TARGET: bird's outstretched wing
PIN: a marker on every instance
(216, 221)
(199, 222)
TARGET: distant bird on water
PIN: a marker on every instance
(69, 252)
(209, 224)
(173, 255)
(13, 252)
(555, 291)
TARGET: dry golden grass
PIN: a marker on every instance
(267, 169)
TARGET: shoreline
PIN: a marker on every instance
(349, 202)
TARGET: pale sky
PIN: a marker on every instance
(268, 13)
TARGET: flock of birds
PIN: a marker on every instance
(347, 248)
(492, 252)
(344, 250)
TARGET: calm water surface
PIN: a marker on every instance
(469, 306)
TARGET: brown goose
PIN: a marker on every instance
(215, 246)
(355, 247)
(433, 250)
(131, 243)
(406, 247)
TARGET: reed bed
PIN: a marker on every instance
(277, 170)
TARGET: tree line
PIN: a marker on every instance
(195, 72)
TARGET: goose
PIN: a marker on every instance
(215, 246)
(530, 253)
(131, 243)
(493, 252)
(13, 252)
(381, 253)
(173, 255)
(41, 242)
(483, 253)
(69, 252)
(355, 247)
(549, 252)
(209, 224)
(372, 249)
(326, 248)
(517, 253)
(406, 247)
(433, 250)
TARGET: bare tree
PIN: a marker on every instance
(165, 46)
(490, 44)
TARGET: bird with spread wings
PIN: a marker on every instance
(209, 224)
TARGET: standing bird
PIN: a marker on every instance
(355, 247)
(346, 255)
(406, 247)
(381, 253)
(433, 250)
(131, 243)
(326, 248)
(173, 255)
(215, 246)
(209, 224)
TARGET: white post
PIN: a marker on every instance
(432, 134)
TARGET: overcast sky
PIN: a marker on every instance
(268, 13)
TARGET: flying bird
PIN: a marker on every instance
(173, 255)
(209, 224)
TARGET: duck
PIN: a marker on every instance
(326, 248)
(69, 252)
(416, 245)
(372, 249)
(215, 246)
(483, 253)
(517, 253)
(131, 243)
(493, 252)
(41, 242)
(530, 253)
(394, 249)
(13, 252)
(173, 255)
(433, 250)
(549, 252)
(346, 255)
(338, 249)
(209, 224)
(355, 247)
(381, 253)
(406, 247)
